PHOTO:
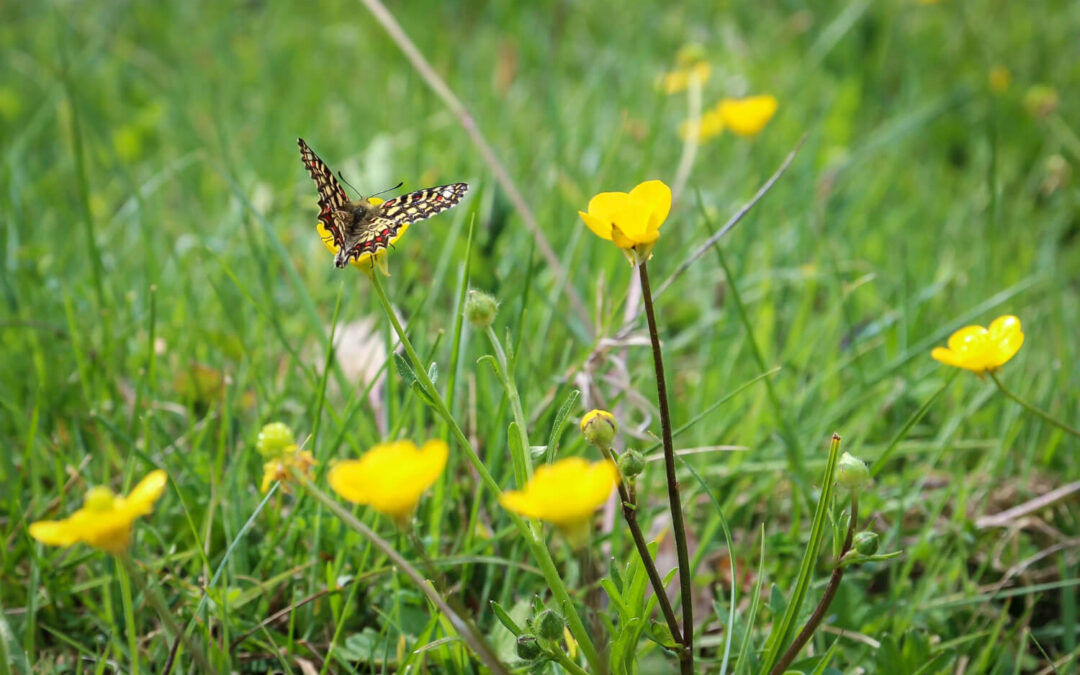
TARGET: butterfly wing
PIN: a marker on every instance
(397, 214)
(331, 195)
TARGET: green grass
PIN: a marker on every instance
(164, 294)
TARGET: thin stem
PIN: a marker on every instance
(686, 655)
(629, 511)
(532, 536)
(826, 599)
(463, 626)
(1032, 409)
(129, 617)
(523, 469)
(166, 615)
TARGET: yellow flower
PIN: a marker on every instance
(565, 494)
(365, 262)
(999, 78)
(747, 116)
(277, 469)
(679, 80)
(632, 221)
(710, 125)
(390, 477)
(982, 349)
(105, 520)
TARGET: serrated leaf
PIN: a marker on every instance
(560, 421)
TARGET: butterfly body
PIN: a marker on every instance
(359, 229)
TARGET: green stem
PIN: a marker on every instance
(686, 654)
(1032, 409)
(463, 626)
(129, 617)
(826, 599)
(166, 615)
(522, 461)
(528, 530)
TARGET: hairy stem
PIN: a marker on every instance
(1032, 409)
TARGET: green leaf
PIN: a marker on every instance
(404, 369)
(504, 618)
(433, 372)
(560, 421)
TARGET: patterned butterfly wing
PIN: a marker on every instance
(331, 195)
(397, 214)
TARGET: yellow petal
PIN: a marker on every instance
(390, 477)
(565, 493)
(606, 204)
(142, 497)
(53, 532)
(1006, 337)
(599, 226)
(946, 356)
(748, 116)
(633, 223)
(657, 196)
(967, 338)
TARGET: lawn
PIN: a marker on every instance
(164, 294)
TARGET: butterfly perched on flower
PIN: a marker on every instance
(358, 231)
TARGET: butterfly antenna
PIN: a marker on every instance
(388, 189)
(342, 177)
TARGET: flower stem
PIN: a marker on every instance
(686, 655)
(469, 633)
(522, 464)
(1032, 409)
(129, 617)
(529, 532)
(629, 511)
(826, 599)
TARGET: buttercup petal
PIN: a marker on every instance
(53, 533)
(142, 497)
(748, 116)
(657, 197)
(967, 338)
(599, 226)
(946, 356)
(633, 221)
(606, 204)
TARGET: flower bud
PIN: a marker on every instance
(273, 439)
(866, 543)
(480, 308)
(549, 624)
(599, 427)
(528, 648)
(631, 463)
(851, 473)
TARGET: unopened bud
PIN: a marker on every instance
(273, 439)
(599, 427)
(866, 543)
(528, 648)
(851, 473)
(549, 624)
(631, 463)
(480, 308)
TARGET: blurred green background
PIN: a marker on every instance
(163, 294)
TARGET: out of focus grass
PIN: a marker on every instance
(163, 294)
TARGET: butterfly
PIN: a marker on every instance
(366, 226)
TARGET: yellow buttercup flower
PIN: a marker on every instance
(566, 494)
(679, 80)
(277, 469)
(365, 262)
(747, 116)
(981, 349)
(630, 220)
(105, 520)
(390, 477)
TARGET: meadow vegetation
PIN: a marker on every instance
(291, 487)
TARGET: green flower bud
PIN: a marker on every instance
(866, 543)
(528, 648)
(631, 463)
(549, 624)
(480, 308)
(599, 427)
(851, 473)
(273, 439)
